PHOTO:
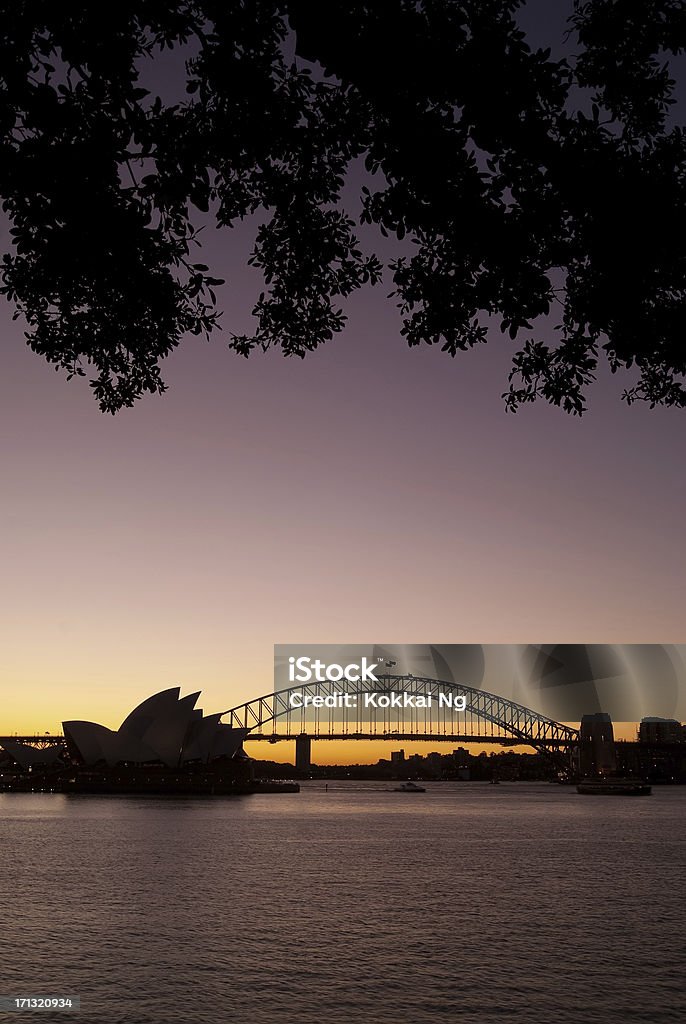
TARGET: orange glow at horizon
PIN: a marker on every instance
(352, 752)
(349, 752)
(370, 490)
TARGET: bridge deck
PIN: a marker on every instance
(400, 737)
(41, 740)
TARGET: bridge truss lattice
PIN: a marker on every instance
(486, 717)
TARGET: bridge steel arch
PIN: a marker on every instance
(517, 722)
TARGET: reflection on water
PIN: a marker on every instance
(469, 903)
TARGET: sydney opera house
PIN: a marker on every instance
(165, 746)
(166, 729)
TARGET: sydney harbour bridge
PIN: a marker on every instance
(396, 708)
(381, 711)
(485, 718)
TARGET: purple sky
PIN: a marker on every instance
(368, 493)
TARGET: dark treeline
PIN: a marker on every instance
(545, 193)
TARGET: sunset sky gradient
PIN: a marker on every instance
(368, 493)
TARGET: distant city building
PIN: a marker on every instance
(461, 761)
(397, 756)
(165, 728)
(597, 753)
(661, 730)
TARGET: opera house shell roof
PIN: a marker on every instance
(165, 727)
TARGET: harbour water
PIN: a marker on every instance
(470, 903)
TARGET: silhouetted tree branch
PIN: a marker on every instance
(509, 173)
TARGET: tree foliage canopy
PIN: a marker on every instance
(547, 193)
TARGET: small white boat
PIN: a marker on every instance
(409, 787)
